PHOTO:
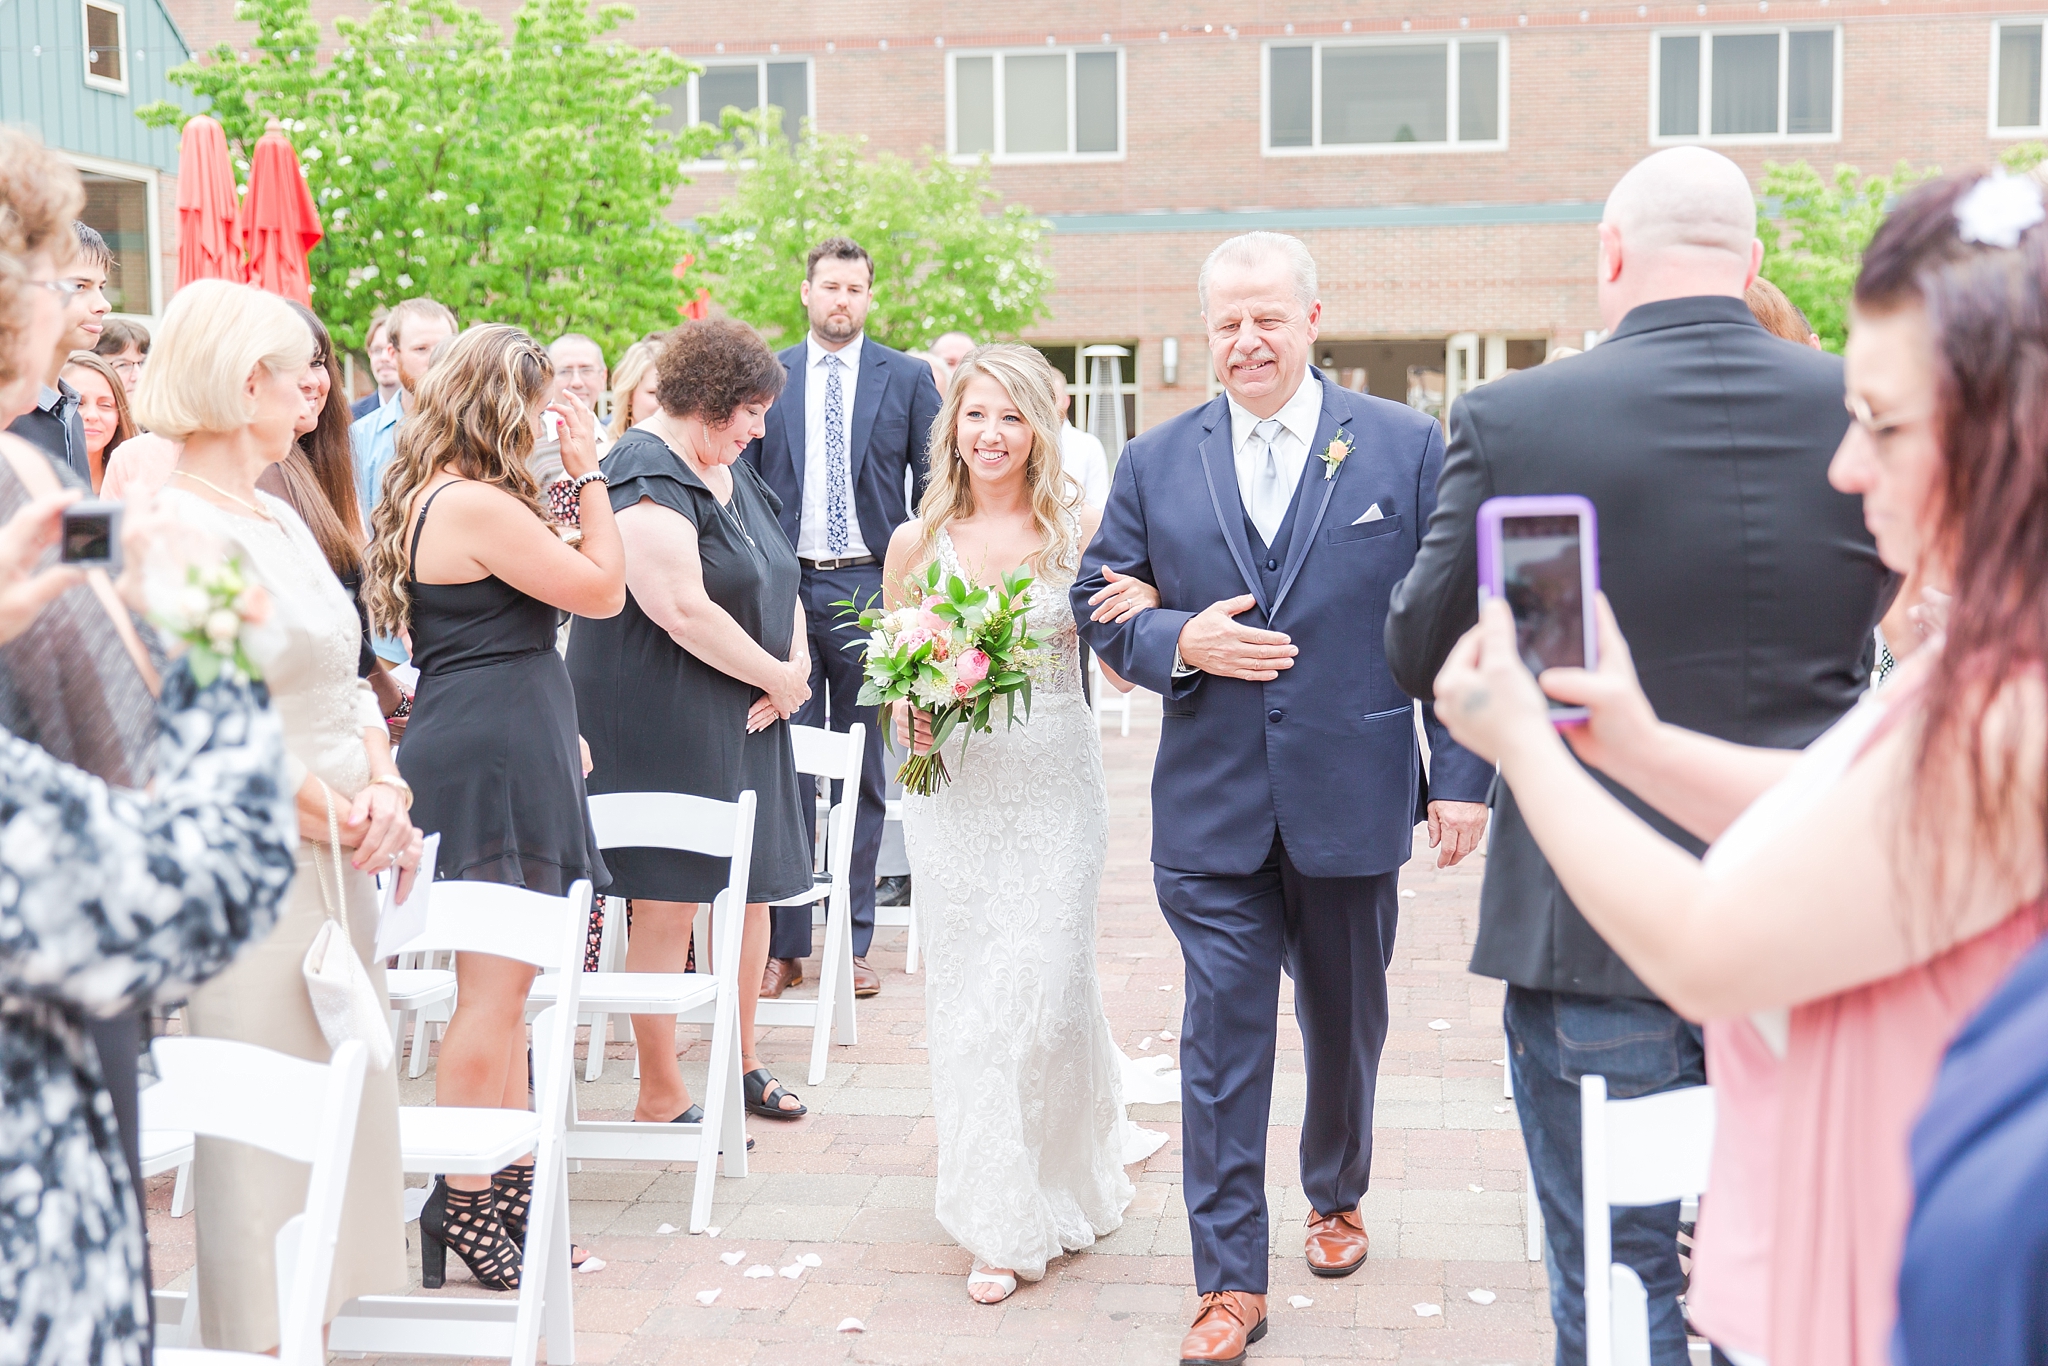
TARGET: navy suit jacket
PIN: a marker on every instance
(894, 404)
(1326, 753)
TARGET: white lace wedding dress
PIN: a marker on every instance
(1027, 1081)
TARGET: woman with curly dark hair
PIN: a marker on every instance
(690, 688)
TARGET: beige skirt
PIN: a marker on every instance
(242, 1197)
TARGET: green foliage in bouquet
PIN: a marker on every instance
(952, 655)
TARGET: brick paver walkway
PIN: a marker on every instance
(853, 1183)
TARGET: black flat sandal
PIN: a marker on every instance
(764, 1095)
(695, 1115)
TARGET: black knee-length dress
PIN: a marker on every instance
(491, 748)
(658, 719)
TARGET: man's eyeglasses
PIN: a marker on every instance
(64, 289)
(125, 368)
(595, 372)
(1859, 409)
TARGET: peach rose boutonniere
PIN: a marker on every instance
(1335, 454)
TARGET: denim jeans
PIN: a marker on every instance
(1641, 1047)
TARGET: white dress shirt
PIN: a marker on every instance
(1082, 456)
(1297, 420)
(811, 527)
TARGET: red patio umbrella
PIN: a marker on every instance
(278, 224)
(206, 205)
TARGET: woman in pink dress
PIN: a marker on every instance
(1862, 898)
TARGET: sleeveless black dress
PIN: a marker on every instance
(491, 748)
(659, 719)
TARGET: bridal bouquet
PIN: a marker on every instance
(953, 654)
(219, 613)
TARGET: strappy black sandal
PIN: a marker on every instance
(764, 1096)
(695, 1115)
(467, 1221)
(513, 1189)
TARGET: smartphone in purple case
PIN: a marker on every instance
(1542, 555)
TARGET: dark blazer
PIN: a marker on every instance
(894, 404)
(62, 438)
(364, 406)
(1325, 753)
(1746, 586)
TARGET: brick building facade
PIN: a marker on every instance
(1444, 161)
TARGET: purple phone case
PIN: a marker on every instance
(1547, 505)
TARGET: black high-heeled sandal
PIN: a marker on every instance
(467, 1221)
(513, 1188)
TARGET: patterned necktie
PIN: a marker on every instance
(1269, 500)
(837, 538)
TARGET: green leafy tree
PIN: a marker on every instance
(948, 256)
(521, 181)
(1814, 232)
(2024, 156)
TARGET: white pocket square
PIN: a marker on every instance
(1372, 514)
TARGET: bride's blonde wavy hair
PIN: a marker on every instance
(1027, 377)
(472, 415)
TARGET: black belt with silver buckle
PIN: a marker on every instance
(847, 562)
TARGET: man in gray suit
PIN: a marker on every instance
(1747, 589)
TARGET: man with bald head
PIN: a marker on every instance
(1745, 586)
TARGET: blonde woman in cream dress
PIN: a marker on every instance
(224, 380)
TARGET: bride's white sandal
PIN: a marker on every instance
(1006, 1280)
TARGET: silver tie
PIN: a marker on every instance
(1269, 498)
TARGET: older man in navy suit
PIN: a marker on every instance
(843, 444)
(1275, 520)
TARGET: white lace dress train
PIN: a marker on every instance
(1027, 1080)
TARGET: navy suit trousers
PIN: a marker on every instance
(835, 683)
(1334, 936)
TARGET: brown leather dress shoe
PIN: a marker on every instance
(1230, 1321)
(782, 974)
(866, 981)
(1336, 1243)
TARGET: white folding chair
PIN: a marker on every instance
(548, 932)
(305, 1111)
(904, 917)
(671, 820)
(423, 995)
(1648, 1151)
(835, 755)
(1108, 701)
(163, 1149)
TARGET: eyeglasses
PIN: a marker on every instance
(1859, 409)
(595, 372)
(64, 289)
(125, 368)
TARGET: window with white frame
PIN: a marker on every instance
(1386, 96)
(2016, 79)
(106, 46)
(1039, 105)
(1746, 85)
(746, 84)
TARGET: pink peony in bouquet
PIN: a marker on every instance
(952, 653)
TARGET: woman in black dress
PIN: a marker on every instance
(691, 687)
(462, 556)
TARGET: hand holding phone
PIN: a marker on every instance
(1540, 556)
(91, 536)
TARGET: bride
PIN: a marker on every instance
(1006, 857)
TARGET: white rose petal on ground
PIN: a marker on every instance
(706, 1296)
(1428, 1311)
(664, 1228)
(1144, 1043)
(733, 1258)
(1165, 1037)
(851, 1326)
(811, 1259)
(590, 1265)
(1476, 1190)
(755, 1272)
(1439, 1024)
(1167, 988)
(713, 1231)
(1502, 1109)
(1481, 1296)
(1405, 891)
(793, 1270)
(1300, 1301)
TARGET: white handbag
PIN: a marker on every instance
(344, 1002)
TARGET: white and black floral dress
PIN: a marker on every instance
(110, 898)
